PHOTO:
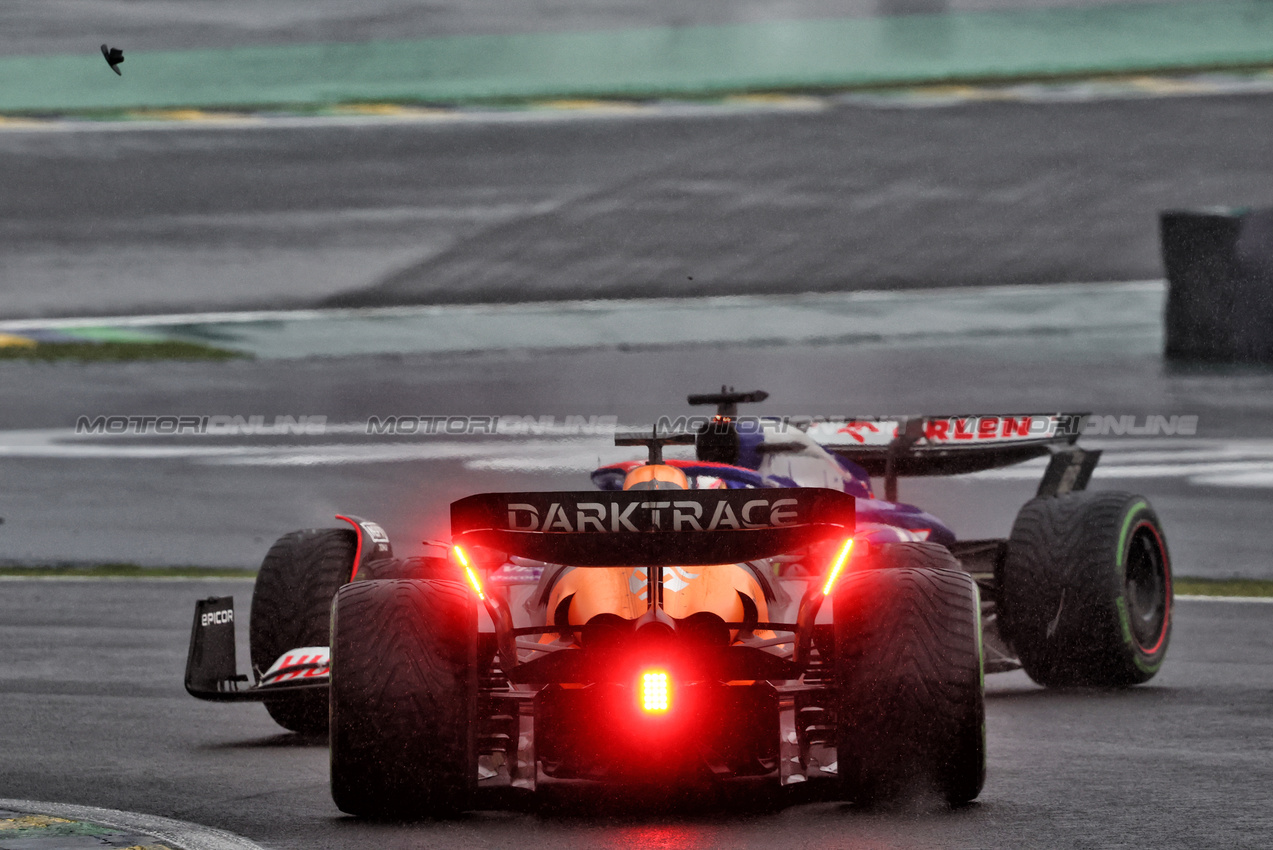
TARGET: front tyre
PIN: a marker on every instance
(404, 699)
(1086, 590)
(910, 710)
(291, 608)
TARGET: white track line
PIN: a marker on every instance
(1192, 598)
(177, 833)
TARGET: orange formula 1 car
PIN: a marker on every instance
(756, 611)
(649, 634)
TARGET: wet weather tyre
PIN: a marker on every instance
(404, 699)
(909, 695)
(291, 608)
(1085, 590)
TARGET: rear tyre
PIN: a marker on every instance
(910, 710)
(291, 608)
(404, 699)
(1085, 591)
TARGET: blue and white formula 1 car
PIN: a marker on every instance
(634, 633)
(1078, 595)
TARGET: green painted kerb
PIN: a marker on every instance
(689, 61)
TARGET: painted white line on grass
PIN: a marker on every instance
(1193, 598)
(176, 833)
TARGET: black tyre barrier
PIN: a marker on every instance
(1219, 265)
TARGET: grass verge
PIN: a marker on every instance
(660, 61)
(116, 351)
(1186, 586)
(123, 571)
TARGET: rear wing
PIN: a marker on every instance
(652, 527)
(649, 528)
(893, 447)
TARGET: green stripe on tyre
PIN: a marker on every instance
(1137, 507)
(1121, 560)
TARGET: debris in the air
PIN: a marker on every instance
(113, 57)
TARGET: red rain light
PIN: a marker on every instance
(468, 570)
(837, 566)
(656, 691)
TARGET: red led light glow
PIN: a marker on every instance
(656, 691)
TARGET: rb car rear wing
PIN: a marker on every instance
(652, 527)
(893, 447)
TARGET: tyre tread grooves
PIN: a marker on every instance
(908, 671)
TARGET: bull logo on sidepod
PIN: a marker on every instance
(663, 515)
(675, 579)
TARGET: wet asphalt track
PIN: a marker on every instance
(102, 221)
(94, 713)
(843, 197)
(226, 510)
(90, 692)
